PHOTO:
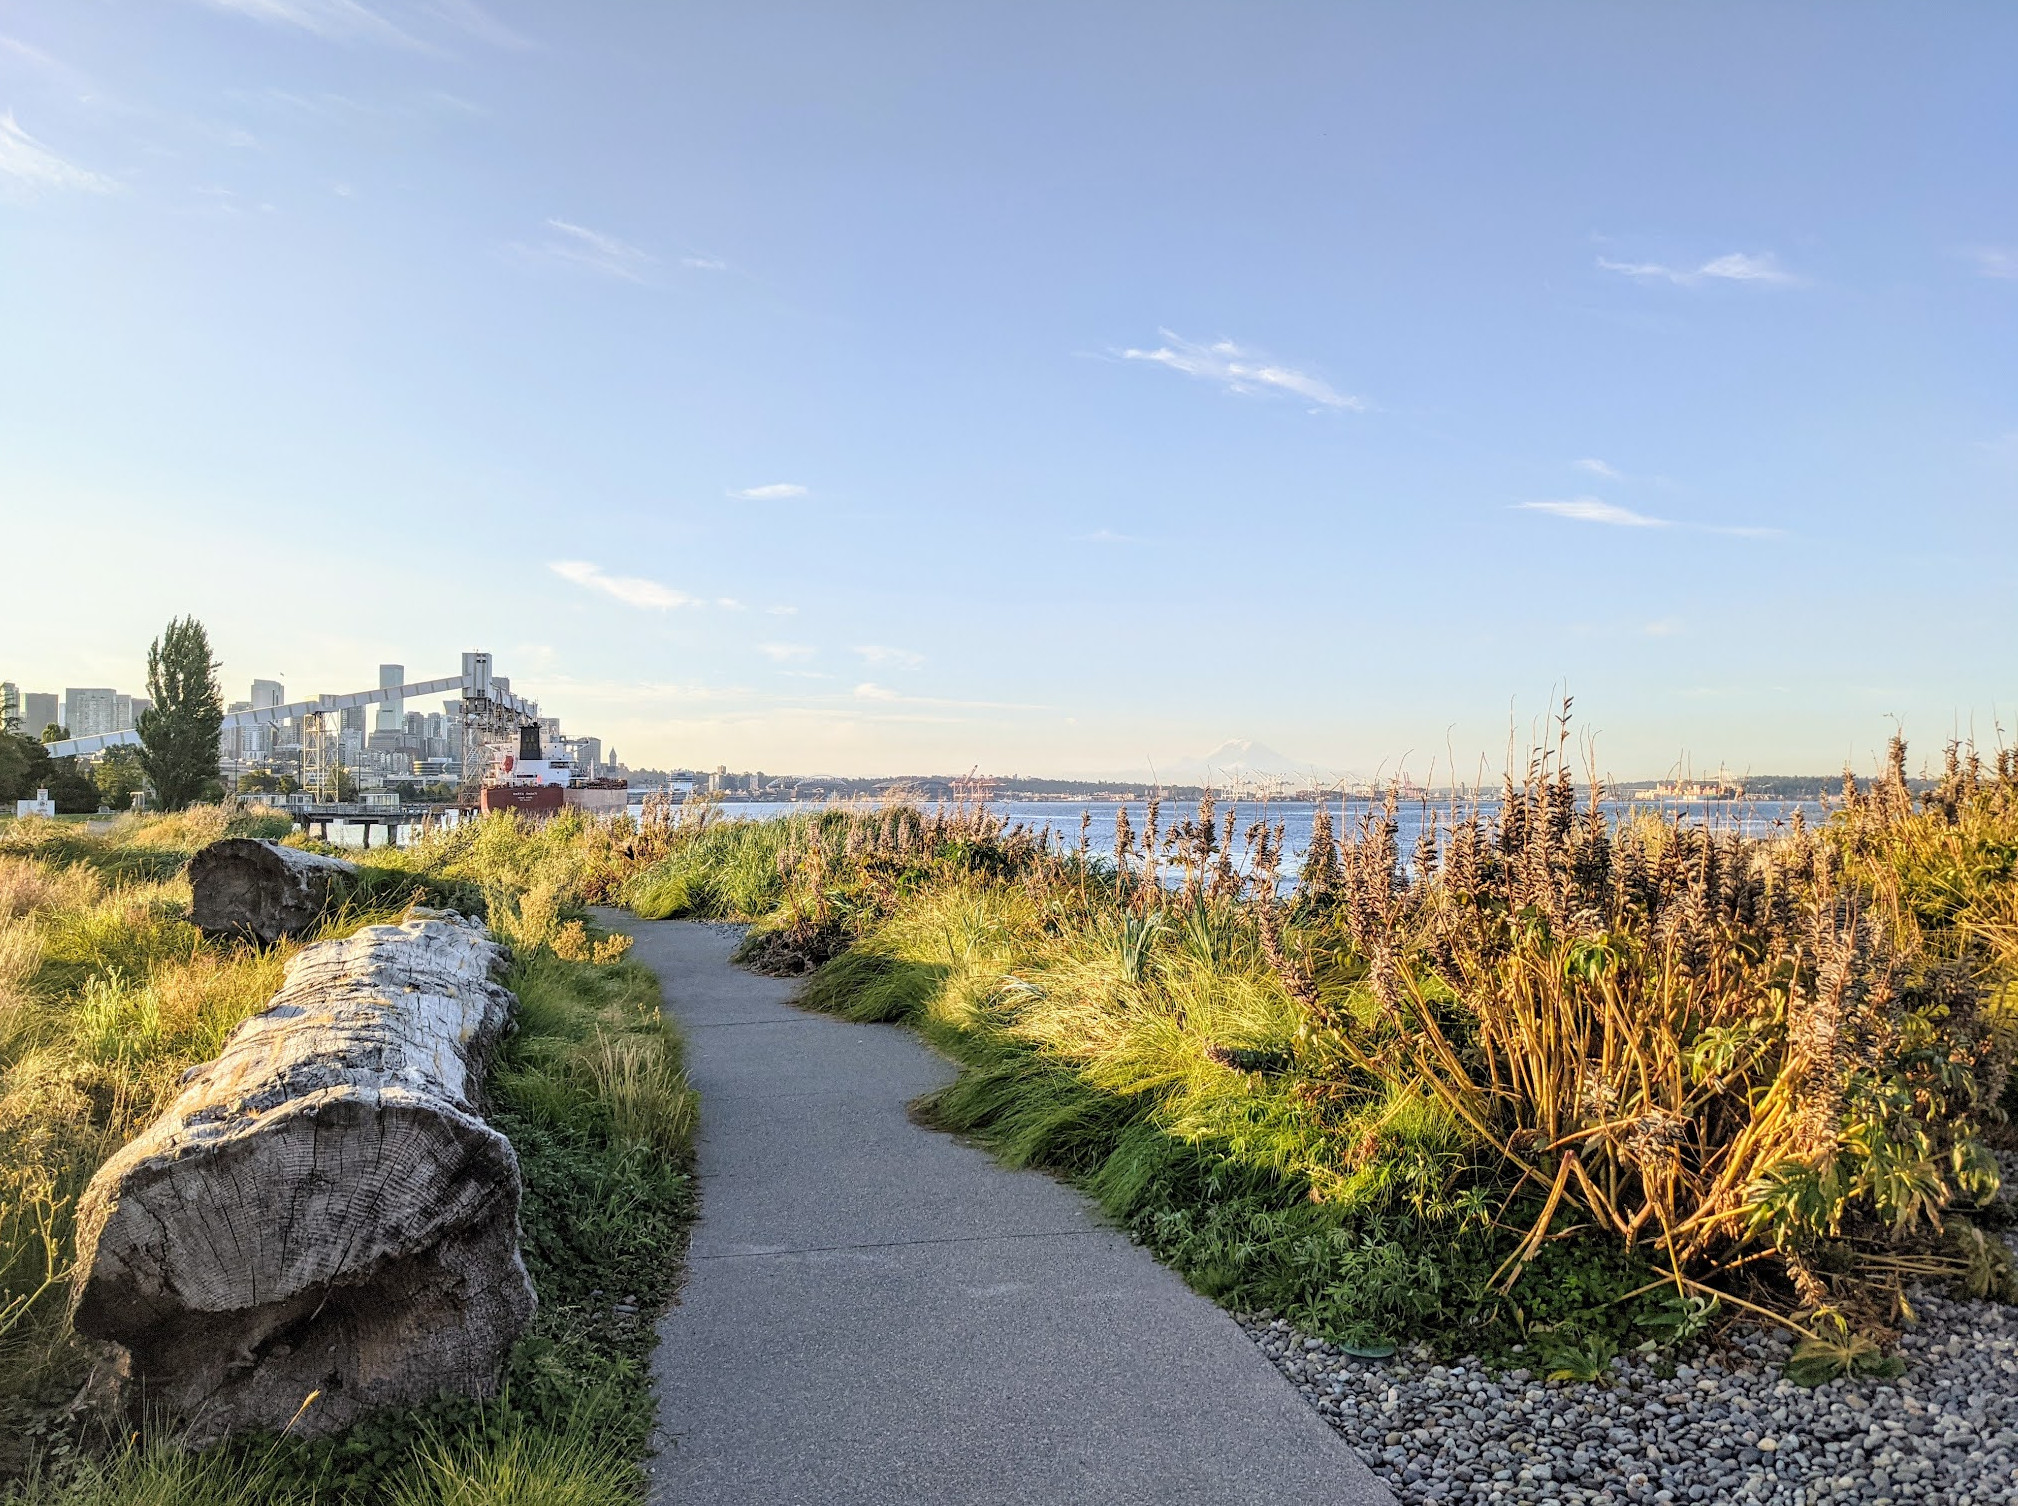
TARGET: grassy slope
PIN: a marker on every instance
(1162, 1055)
(106, 993)
(1071, 1065)
(1089, 1052)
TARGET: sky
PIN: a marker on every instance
(1049, 388)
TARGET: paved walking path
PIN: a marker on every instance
(878, 1314)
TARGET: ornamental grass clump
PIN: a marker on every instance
(1723, 1050)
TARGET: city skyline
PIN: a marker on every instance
(1061, 392)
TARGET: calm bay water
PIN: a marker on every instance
(1062, 817)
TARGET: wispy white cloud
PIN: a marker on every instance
(631, 590)
(730, 604)
(472, 18)
(380, 111)
(31, 166)
(30, 54)
(577, 245)
(1743, 530)
(1596, 510)
(1106, 536)
(1664, 627)
(785, 653)
(352, 21)
(599, 251)
(336, 20)
(1995, 261)
(1738, 266)
(777, 491)
(877, 653)
(1239, 369)
(1598, 468)
(1592, 510)
(883, 694)
(782, 611)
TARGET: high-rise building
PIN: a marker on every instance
(351, 719)
(10, 706)
(452, 725)
(238, 743)
(90, 711)
(38, 710)
(589, 753)
(391, 713)
(261, 738)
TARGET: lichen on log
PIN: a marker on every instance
(322, 1210)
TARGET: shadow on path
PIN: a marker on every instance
(875, 1313)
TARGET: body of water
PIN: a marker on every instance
(1062, 817)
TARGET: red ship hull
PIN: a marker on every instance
(529, 799)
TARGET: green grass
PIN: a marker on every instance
(730, 870)
(107, 994)
(1070, 1064)
(1322, 1105)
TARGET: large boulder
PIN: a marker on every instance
(261, 891)
(321, 1211)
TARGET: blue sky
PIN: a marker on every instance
(1054, 388)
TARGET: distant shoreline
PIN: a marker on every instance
(946, 791)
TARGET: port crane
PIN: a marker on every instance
(491, 714)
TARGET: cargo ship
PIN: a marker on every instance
(533, 784)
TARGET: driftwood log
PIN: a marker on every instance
(261, 891)
(321, 1210)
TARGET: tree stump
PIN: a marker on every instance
(261, 891)
(321, 1210)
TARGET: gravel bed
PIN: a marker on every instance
(1723, 1428)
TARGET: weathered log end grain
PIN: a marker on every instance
(321, 1209)
(261, 891)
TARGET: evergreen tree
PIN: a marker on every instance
(178, 733)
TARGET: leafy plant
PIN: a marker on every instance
(1563, 1354)
(1835, 1351)
(1679, 1318)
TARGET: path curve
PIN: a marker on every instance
(875, 1313)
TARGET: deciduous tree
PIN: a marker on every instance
(178, 733)
(118, 774)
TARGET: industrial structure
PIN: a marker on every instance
(324, 748)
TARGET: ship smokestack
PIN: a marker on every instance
(529, 742)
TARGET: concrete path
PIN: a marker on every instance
(875, 1313)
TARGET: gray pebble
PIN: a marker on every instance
(1724, 1427)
